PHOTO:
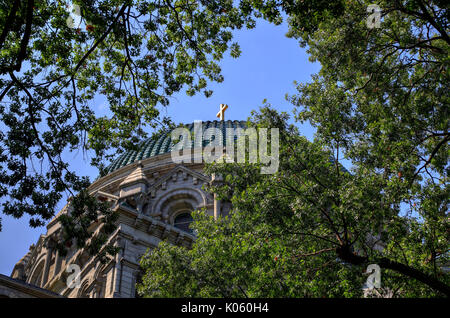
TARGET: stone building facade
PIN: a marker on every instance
(153, 196)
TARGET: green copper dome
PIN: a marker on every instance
(151, 147)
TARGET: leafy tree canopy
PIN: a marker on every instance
(381, 100)
(136, 54)
(309, 230)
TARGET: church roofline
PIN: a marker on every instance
(152, 147)
(26, 288)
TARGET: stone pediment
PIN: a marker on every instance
(173, 175)
(105, 196)
(137, 176)
(134, 183)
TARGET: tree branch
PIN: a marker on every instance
(433, 153)
(344, 252)
(26, 37)
(9, 22)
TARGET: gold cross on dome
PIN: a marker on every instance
(221, 113)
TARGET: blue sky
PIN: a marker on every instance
(267, 68)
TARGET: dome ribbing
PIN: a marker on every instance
(151, 147)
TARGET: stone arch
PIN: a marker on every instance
(37, 272)
(99, 279)
(179, 206)
(83, 292)
(173, 200)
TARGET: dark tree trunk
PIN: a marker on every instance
(346, 254)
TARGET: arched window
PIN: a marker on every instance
(182, 221)
(36, 277)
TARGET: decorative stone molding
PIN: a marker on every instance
(14, 288)
(147, 195)
(173, 174)
(135, 183)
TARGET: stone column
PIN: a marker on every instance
(217, 207)
(48, 258)
(216, 180)
(58, 262)
(58, 258)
